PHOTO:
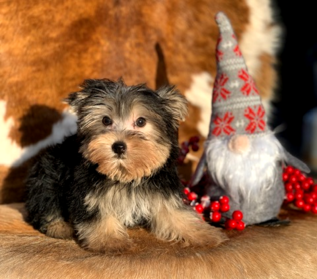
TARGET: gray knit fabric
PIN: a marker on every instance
(236, 104)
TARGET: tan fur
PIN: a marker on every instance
(106, 235)
(136, 163)
(169, 219)
(184, 226)
(257, 252)
(59, 229)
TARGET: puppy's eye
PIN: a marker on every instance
(106, 121)
(140, 122)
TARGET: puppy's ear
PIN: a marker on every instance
(76, 99)
(174, 102)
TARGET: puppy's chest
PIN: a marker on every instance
(130, 206)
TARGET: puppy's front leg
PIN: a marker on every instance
(107, 234)
(184, 224)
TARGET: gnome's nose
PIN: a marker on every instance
(119, 147)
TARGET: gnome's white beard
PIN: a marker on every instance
(245, 174)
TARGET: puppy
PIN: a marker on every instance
(119, 171)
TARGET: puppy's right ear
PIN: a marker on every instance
(75, 100)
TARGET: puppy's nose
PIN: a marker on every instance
(119, 147)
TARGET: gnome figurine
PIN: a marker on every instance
(243, 157)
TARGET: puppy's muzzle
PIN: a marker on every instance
(119, 147)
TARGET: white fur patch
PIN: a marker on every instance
(14, 155)
(9, 150)
(199, 94)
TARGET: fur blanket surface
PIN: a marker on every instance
(257, 252)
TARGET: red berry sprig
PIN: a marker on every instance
(300, 190)
(185, 148)
(210, 211)
(222, 205)
(214, 210)
(236, 221)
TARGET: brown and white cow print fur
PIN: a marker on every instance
(47, 50)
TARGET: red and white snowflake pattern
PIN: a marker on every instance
(223, 125)
(236, 49)
(219, 53)
(249, 87)
(256, 118)
(219, 92)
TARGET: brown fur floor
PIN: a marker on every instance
(257, 252)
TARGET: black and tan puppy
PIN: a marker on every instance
(118, 171)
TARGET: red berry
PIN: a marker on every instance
(199, 208)
(309, 199)
(305, 186)
(186, 191)
(195, 147)
(315, 188)
(306, 207)
(285, 177)
(314, 209)
(184, 144)
(313, 195)
(301, 177)
(185, 150)
(194, 139)
(288, 187)
(297, 186)
(192, 196)
(215, 206)
(290, 197)
(299, 203)
(237, 215)
(215, 216)
(310, 181)
(289, 169)
(299, 195)
(224, 199)
(230, 224)
(184, 182)
(224, 207)
(240, 226)
(181, 159)
(297, 172)
(293, 179)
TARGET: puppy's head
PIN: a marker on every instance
(129, 131)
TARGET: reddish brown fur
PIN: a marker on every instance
(257, 252)
(48, 49)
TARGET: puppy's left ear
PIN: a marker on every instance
(175, 103)
(75, 100)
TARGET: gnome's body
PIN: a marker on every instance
(242, 155)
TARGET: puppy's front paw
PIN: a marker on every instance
(60, 229)
(203, 234)
(106, 235)
(187, 227)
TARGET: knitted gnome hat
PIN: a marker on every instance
(236, 103)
